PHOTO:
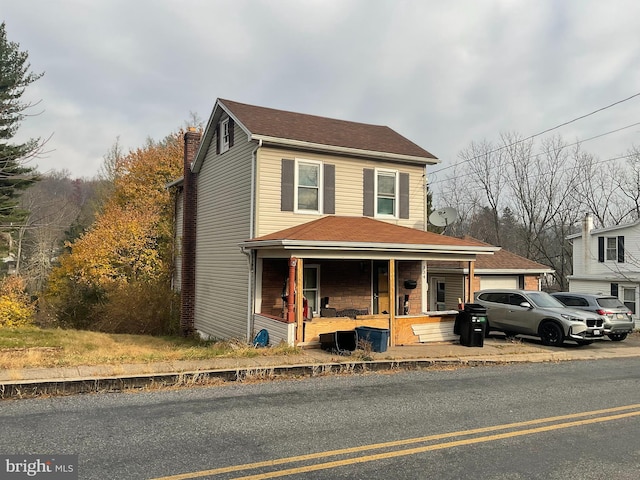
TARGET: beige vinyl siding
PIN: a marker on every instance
(348, 189)
(453, 289)
(177, 273)
(222, 276)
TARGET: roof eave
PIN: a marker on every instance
(345, 150)
(511, 271)
(369, 246)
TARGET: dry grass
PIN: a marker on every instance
(32, 347)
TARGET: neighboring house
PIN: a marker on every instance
(304, 225)
(503, 269)
(607, 261)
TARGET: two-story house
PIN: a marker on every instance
(301, 225)
(607, 261)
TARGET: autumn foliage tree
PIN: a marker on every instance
(117, 275)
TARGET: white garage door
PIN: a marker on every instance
(499, 281)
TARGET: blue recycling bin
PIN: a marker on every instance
(378, 337)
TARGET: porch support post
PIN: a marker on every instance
(392, 301)
(299, 302)
(291, 288)
(472, 265)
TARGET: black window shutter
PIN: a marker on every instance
(231, 125)
(368, 185)
(329, 185)
(287, 179)
(404, 195)
(621, 249)
(600, 248)
(218, 138)
(614, 289)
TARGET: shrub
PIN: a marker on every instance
(16, 310)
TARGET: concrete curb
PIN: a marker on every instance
(28, 383)
(119, 383)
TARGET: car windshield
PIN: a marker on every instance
(544, 300)
(610, 303)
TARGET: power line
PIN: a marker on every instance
(542, 132)
(435, 182)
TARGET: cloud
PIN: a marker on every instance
(441, 73)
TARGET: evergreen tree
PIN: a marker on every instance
(15, 76)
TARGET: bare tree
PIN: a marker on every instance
(487, 172)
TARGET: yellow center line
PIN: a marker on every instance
(409, 441)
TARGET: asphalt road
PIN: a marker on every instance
(545, 420)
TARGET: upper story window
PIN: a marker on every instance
(308, 190)
(307, 186)
(225, 135)
(386, 193)
(611, 249)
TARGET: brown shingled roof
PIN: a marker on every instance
(366, 230)
(269, 122)
(503, 260)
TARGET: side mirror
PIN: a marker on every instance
(526, 305)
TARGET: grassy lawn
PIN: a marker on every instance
(32, 347)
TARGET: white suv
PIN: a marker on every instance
(618, 320)
(530, 312)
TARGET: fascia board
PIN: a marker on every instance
(599, 231)
(344, 150)
(209, 131)
(395, 247)
(510, 271)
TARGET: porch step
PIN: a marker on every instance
(434, 332)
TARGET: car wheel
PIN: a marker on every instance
(617, 337)
(551, 334)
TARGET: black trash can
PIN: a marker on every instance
(471, 323)
(342, 342)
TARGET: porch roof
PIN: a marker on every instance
(362, 233)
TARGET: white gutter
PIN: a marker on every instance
(249, 254)
(330, 245)
(351, 151)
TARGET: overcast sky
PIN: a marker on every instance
(441, 73)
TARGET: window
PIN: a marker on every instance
(308, 189)
(386, 193)
(311, 287)
(612, 248)
(629, 299)
(225, 135)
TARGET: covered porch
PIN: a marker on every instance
(304, 287)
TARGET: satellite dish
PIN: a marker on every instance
(443, 216)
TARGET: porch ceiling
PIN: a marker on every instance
(362, 234)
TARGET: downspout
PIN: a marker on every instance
(251, 255)
(426, 200)
(587, 226)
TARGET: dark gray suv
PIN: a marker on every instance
(618, 322)
(530, 312)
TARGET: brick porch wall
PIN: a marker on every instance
(274, 274)
(406, 270)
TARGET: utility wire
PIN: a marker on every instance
(543, 132)
(538, 154)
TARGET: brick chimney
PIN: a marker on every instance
(189, 196)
